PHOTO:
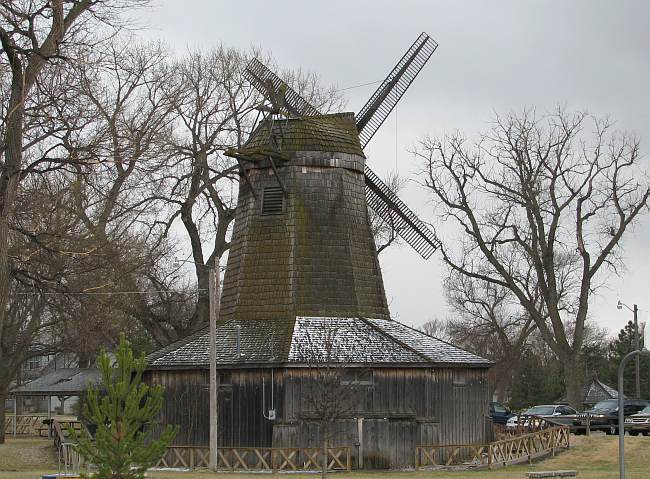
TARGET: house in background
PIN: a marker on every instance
(55, 392)
(33, 369)
(595, 391)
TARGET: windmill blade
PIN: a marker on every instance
(382, 102)
(393, 210)
(271, 86)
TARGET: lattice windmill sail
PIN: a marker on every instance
(284, 99)
(370, 118)
(381, 103)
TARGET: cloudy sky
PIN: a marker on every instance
(493, 57)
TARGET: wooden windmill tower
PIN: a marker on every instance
(302, 243)
(303, 271)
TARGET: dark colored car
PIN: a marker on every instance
(604, 415)
(499, 413)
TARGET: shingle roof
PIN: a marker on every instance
(434, 349)
(64, 382)
(336, 133)
(345, 340)
(260, 342)
(597, 391)
(349, 340)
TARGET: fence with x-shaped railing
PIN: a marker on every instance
(259, 458)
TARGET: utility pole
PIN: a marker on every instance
(635, 310)
(637, 364)
(214, 291)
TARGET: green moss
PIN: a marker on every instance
(336, 133)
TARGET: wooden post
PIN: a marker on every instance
(489, 456)
(360, 435)
(349, 459)
(588, 430)
(15, 413)
(553, 441)
(49, 416)
(214, 300)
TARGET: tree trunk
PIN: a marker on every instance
(573, 379)
(3, 397)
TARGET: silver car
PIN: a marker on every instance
(553, 412)
(639, 423)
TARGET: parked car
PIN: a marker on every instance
(639, 423)
(499, 413)
(558, 413)
(604, 415)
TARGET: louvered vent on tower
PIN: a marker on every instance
(272, 200)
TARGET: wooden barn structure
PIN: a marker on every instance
(304, 315)
(404, 388)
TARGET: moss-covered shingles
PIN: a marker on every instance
(316, 258)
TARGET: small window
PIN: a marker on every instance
(224, 379)
(34, 363)
(272, 200)
(459, 379)
(357, 378)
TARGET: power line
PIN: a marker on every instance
(105, 293)
(359, 86)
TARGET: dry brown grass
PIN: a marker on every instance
(18, 456)
(595, 457)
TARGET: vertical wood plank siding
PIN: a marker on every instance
(403, 408)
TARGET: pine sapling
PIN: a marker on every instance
(123, 410)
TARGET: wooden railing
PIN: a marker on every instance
(259, 458)
(68, 457)
(505, 452)
(24, 424)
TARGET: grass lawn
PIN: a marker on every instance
(27, 458)
(594, 457)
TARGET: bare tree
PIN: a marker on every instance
(35, 36)
(331, 385)
(436, 327)
(488, 321)
(542, 204)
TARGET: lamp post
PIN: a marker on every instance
(621, 407)
(214, 298)
(635, 311)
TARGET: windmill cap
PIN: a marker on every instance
(335, 133)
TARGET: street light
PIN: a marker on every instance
(637, 366)
(214, 298)
(621, 404)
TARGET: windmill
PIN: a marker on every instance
(303, 272)
(286, 252)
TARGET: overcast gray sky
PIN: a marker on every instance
(493, 56)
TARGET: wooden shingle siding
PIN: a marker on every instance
(404, 407)
(317, 258)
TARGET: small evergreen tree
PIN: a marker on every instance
(123, 413)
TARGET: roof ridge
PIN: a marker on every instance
(401, 343)
(446, 342)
